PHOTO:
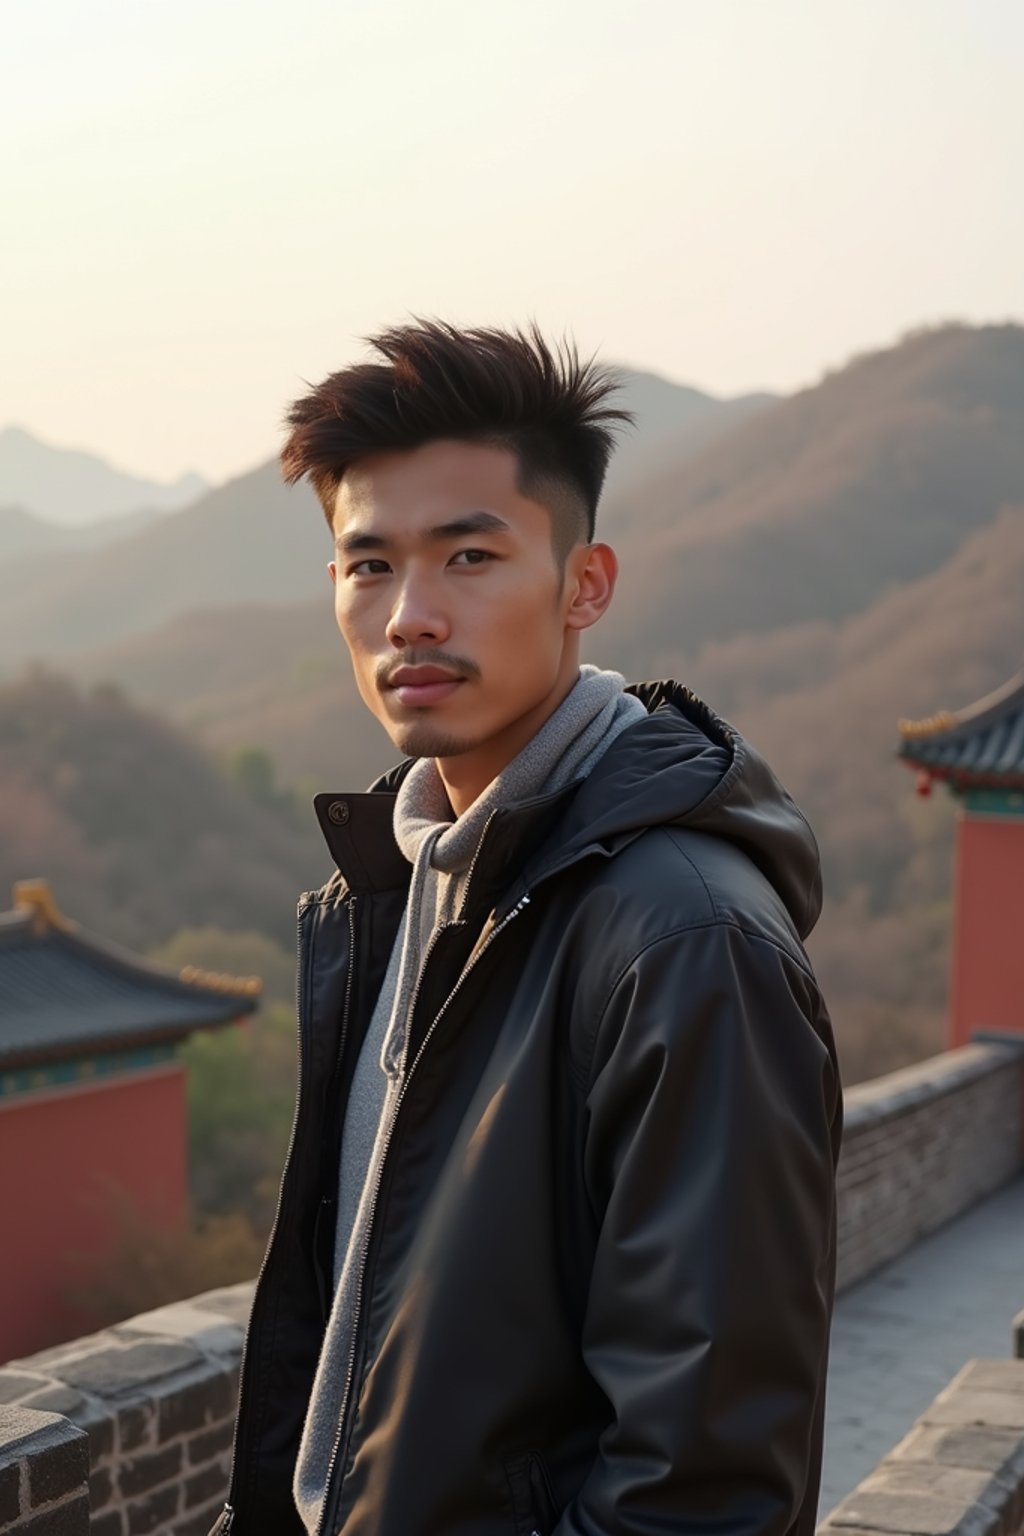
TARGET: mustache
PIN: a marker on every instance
(425, 656)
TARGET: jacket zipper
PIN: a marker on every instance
(226, 1519)
(348, 981)
(357, 1309)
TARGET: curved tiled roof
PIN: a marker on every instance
(980, 745)
(65, 992)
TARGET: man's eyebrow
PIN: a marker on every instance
(472, 522)
(352, 543)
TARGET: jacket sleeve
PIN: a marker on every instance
(713, 1124)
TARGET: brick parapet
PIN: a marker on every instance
(959, 1471)
(151, 1404)
(922, 1145)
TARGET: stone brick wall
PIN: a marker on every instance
(152, 1400)
(923, 1144)
(960, 1470)
(140, 1421)
(44, 1474)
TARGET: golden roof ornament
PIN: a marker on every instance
(35, 896)
(930, 726)
(220, 981)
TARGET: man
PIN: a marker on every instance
(555, 1249)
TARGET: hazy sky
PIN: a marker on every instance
(208, 201)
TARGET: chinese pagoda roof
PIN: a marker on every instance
(65, 992)
(977, 746)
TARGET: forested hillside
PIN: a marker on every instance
(138, 831)
(822, 502)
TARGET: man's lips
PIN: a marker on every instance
(423, 685)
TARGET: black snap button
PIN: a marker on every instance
(338, 812)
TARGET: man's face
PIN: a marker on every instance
(449, 597)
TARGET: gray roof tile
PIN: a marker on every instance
(66, 993)
(980, 745)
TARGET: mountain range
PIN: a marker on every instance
(26, 533)
(72, 488)
(253, 539)
(815, 567)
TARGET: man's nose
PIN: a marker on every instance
(416, 618)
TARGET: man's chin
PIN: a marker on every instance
(423, 738)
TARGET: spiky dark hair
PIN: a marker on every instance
(510, 388)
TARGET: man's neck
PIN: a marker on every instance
(467, 775)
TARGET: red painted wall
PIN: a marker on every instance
(60, 1152)
(987, 975)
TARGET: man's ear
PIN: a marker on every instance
(333, 569)
(593, 570)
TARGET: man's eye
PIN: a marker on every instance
(368, 568)
(472, 556)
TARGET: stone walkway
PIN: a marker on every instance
(902, 1334)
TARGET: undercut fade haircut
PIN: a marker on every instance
(508, 388)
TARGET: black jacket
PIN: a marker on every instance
(600, 1275)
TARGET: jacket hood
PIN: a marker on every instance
(686, 766)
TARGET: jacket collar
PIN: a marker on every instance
(359, 832)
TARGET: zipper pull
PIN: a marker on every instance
(225, 1520)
